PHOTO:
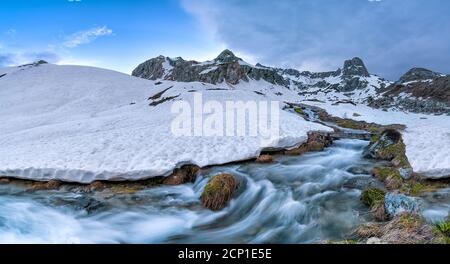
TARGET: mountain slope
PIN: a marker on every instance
(82, 124)
(419, 90)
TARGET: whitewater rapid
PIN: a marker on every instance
(299, 199)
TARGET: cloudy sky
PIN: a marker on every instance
(391, 36)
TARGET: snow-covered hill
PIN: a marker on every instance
(83, 124)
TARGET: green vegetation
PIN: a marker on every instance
(393, 151)
(299, 111)
(219, 191)
(444, 228)
(385, 173)
(373, 196)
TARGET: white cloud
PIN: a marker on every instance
(87, 36)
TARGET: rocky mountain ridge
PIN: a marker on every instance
(419, 90)
(353, 79)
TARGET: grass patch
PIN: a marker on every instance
(299, 111)
(373, 196)
(219, 191)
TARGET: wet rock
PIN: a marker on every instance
(361, 183)
(397, 204)
(50, 185)
(4, 180)
(97, 186)
(219, 191)
(389, 176)
(83, 202)
(185, 174)
(406, 173)
(264, 159)
(387, 146)
(316, 142)
(375, 199)
(358, 170)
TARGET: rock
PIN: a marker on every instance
(389, 146)
(386, 147)
(406, 173)
(264, 159)
(397, 204)
(50, 185)
(316, 142)
(419, 74)
(151, 69)
(374, 241)
(391, 177)
(97, 186)
(228, 68)
(354, 67)
(374, 198)
(219, 191)
(4, 180)
(358, 170)
(408, 229)
(419, 90)
(185, 174)
(403, 229)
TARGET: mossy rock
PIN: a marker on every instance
(393, 151)
(219, 191)
(417, 188)
(388, 146)
(373, 196)
(390, 176)
(401, 161)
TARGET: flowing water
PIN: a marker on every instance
(301, 199)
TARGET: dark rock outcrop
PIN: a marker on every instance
(231, 69)
(225, 68)
(419, 74)
(419, 90)
(355, 67)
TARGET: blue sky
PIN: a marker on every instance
(390, 35)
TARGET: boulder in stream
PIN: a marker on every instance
(397, 204)
(219, 191)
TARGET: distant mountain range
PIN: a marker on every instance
(419, 90)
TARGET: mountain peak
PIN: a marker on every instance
(354, 67)
(419, 74)
(227, 56)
